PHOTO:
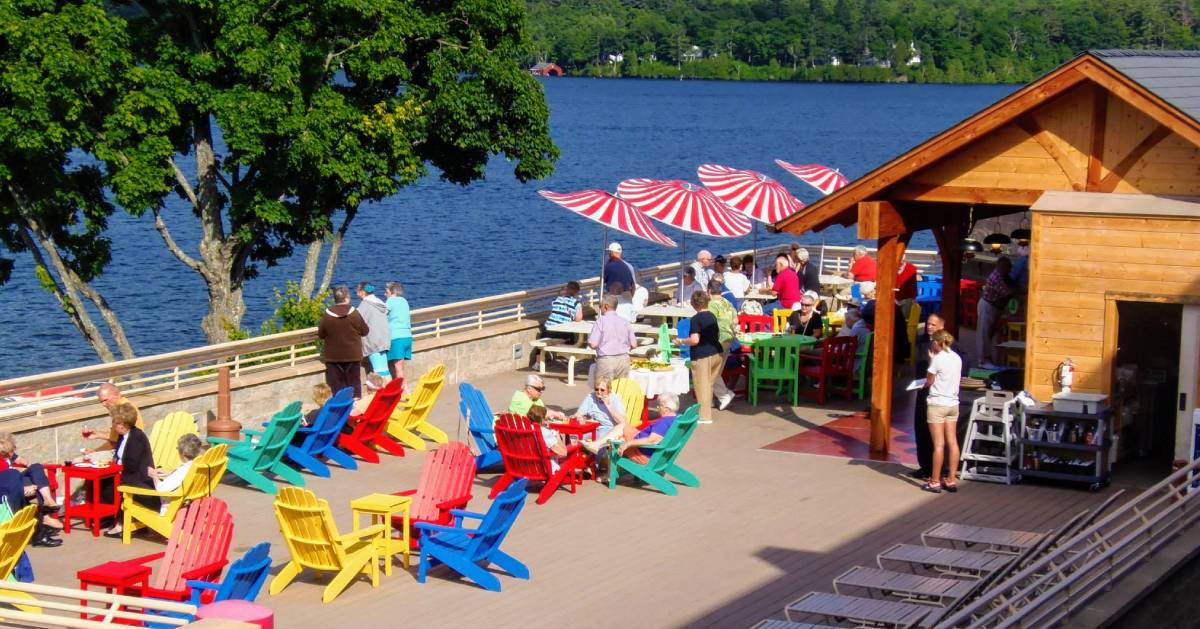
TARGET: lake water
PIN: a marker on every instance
(447, 243)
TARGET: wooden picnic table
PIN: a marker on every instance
(585, 327)
(668, 311)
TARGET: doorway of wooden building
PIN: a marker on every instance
(1154, 384)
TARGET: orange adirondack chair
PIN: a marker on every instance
(445, 484)
(525, 455)
(197, 549)
(836, 360)
(370, 428)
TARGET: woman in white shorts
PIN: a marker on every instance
(943, 379)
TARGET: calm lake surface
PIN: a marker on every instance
(448, 243)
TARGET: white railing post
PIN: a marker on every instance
(479, 319)
(292, 355)
(237, 365)
(175, 378)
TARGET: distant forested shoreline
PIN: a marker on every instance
(922, 41)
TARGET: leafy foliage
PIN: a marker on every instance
(873, 40)
(294, 311)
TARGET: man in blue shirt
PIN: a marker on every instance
(618, 270)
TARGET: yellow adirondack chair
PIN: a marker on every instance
(313, 540)
(164, 439)
(633, 398)
(14, 538)
(410, 420)
(913, 322)
(201, 480)
(780, 319)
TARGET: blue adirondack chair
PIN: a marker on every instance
(320, 438)
(464, 550)
(241, 583)
(474, 407)
(683, 329)
(261, 451)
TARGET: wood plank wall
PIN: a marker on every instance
(1076, 260)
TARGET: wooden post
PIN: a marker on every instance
(948, 238)
(887, 267)
(223, 425)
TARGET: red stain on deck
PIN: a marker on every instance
(849, 437)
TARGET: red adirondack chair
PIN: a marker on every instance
(755, 323)
(197, 549)
(525, 455)
(369, 430)
(445, 484)
(833, 368)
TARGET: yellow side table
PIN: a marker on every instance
(379, 508)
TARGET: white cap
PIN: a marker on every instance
(615, 247)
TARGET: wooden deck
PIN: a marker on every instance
(763, 528)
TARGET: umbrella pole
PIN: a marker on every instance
(603, 260)
(682, 255)
(756, 244)
(821, 264)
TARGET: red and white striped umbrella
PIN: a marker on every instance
(684, 205)
(610, 211)
(750, 192)
(827, 180)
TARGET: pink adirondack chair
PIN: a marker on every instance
(369, 430)
(525, 455)
(445, 484)
(197, 549)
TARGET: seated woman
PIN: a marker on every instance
(806, 321)
(537, 415)
(602, 406)
(320, 394)
(136, 459)
(690, 285)
(190, 446)
(34, 482)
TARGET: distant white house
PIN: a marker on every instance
(914, 55)
(834, 61)
(617, 58)
(695, 53)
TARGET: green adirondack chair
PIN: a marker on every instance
(662, 461)
(776, 360)
(864, 353)
(261, 452)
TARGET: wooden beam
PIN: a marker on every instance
(1114, 178)
(948, 239)
(1054, 146)
(890, 249)
(1142, 99)
(1099, 127)
(964, 194)
(877, 219)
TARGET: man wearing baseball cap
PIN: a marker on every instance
(618, 270)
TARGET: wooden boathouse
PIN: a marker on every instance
(1102, 155)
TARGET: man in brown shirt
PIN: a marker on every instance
(342, 329)
(110, 397)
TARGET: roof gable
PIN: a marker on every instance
(841, 207)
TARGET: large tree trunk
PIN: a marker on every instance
(61, 280)
(308, 281)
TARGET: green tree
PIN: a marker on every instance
(321, 106)
(61, 69)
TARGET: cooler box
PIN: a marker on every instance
(1086, 403)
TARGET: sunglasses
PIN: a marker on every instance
(601, 390)
(542, 388)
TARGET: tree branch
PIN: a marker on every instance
(174, 247)
(181, 179)
(335, 247)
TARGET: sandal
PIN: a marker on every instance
(952, 487)
(932, 488)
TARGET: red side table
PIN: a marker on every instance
(577, 430)
(93, 509)
(116, 577)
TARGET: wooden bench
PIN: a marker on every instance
(572, 353)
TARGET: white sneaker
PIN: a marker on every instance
(704, 421)
(723, 402)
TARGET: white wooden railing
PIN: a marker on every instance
(34, 396)
(1051, 589)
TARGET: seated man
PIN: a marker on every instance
(856, 327)
(531, 396)
(652, 433)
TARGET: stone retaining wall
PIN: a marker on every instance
(466, 355)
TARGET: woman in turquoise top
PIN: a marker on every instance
(400, 326)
